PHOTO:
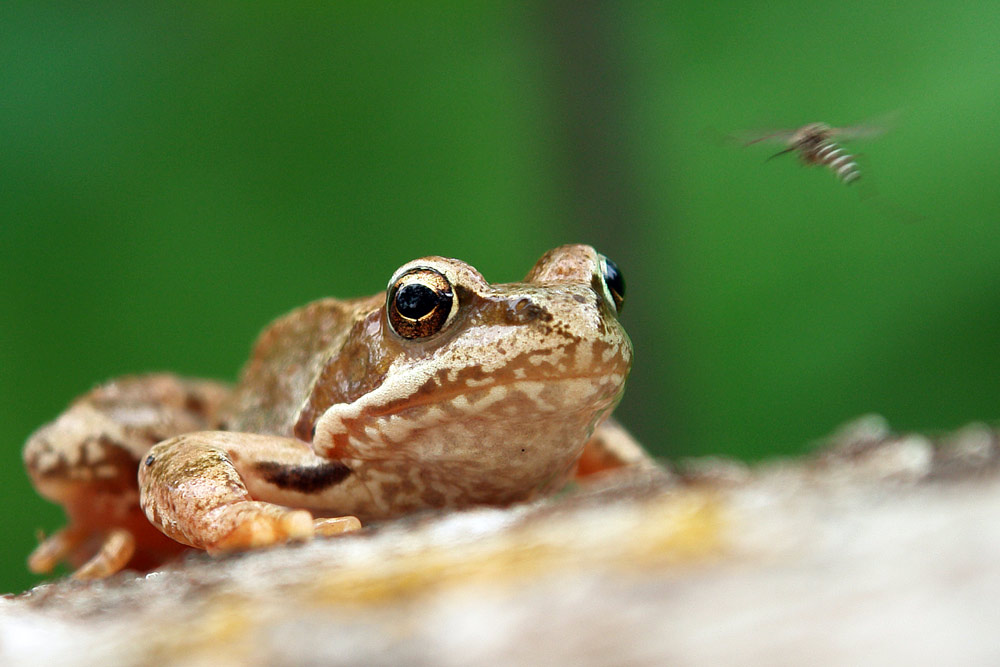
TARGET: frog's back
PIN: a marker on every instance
(286, 358)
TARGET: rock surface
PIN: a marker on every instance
(879, 549)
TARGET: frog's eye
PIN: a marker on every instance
(614, 282)
(419, 303)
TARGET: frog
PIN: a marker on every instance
(441, 393)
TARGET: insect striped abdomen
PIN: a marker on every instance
(834, 157)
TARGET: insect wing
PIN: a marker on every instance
(869, 129)
(771, 136)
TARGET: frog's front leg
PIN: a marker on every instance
(223, 491)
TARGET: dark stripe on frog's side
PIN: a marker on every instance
(307, 479)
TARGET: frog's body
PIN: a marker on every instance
(449, 392)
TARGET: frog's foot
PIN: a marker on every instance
(52, 550)
(256, 524)
(114, 553)
(55, 549)
(252, 525)
(224, 491)
(73, 543)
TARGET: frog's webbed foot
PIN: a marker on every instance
(213, 490)
(74, 544)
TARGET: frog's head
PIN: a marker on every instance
(463, 392)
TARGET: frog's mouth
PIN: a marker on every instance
(440, 422)
(544, 374)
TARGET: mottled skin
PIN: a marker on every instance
(343, 414)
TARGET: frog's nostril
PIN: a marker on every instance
(525, 310)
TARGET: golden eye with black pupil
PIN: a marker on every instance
(614, 281)
(419, 303)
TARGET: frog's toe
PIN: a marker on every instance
(55, 549)
(75, 544)
(114, 553)
(336, 525)
(257, 525)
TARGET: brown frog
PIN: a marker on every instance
(442, 392)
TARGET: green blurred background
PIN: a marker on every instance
(174, 176)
